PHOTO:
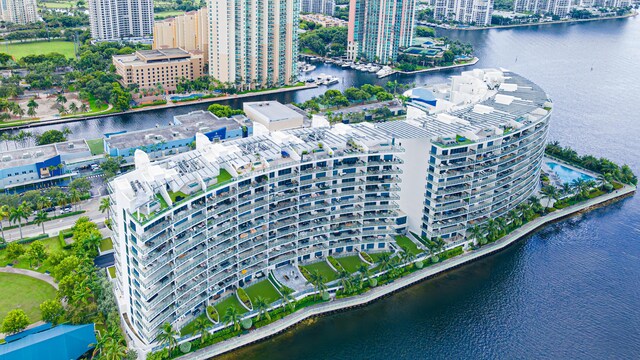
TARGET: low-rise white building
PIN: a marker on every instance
(273, 115)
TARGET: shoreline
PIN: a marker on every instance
(573, 21)
(470, 63)
(343, 304)
(168, 105)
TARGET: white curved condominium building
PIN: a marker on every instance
(198, 224)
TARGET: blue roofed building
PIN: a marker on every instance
(62, 342)
(164, 141)
(27, 168)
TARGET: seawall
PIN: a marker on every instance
(409, 280)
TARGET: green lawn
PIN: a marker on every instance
(106, 245)
(324, 269)
(174, 196)
(350, 263)
(20, 50)
(96, 146)
(51, 244)
(229, 301)
(112, 272)
(166, 14)
(24, 292)
(406, 243)
(190, 327)
(264, 289)
(58, 4)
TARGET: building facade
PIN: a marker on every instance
(244, 208)
(254, 44)
(19, 11)
(482, 139)
(189, 32)
(378, 28)
(474, 12)
(326, 7)
(24, 169)
(192, 228)
(550, 7)
(150, 68)
(121, 19)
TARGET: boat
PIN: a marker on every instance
(313, 58)
(353, 66)
(385, 71)
(374, 69)
(332, 80)
(308, 67)
(346, 64)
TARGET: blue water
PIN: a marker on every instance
(186, 97)
(569, 291)
(566, 174)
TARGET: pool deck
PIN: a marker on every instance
(553, 175)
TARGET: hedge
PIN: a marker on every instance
(336, 265)
(242, 295)
(26, 241)
(48, 219)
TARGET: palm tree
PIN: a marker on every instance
(502, 224)
(74, 196)
(492, 228)
(41, 218)
(364, 270)
(567, 188)
(31, 112)
(114, 350)
(514, 218)
(168, 336)
(477, 234)
(17, 214)
(100, 345)
(105, 205)
(232, 316)
(318, 282)
(287, 297)
(84, 108)
(81, 294)
(73, 108)
(262, 305)
(549, 192)
(345, 281)
(61, 99)
(93, 241)
(4, 214)
(384, 261)
(200, 327)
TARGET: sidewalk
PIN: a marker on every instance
(344, 303)
(53, 227)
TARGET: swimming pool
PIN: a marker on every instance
(186, 97)
(566, 174)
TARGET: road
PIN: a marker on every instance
(53, 227)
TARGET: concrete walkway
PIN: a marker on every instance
(345, 303)
(31, 273)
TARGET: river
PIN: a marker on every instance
(571, 290)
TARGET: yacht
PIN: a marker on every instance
(332, 80)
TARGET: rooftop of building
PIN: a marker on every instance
(273, 111)
(183, 127)
(476, 104)
(212, 163)
(142, 57)
(60, 342)
(28, 156)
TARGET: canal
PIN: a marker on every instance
(571, 290)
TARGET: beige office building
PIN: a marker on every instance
(189, 32)
(147, 68)
(254, 44)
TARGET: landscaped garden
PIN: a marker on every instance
(24, 292)
(96, 146)
(106, 245)
(351, 263)
(405, 243)
(322, 268)
(263, 289)
(229, 301)
(21, 257)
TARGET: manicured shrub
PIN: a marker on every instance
(325, 296)
(419, 264)
(185, 347)
(213, 313)
(373, 282)
(242, 295)
(246, 323)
